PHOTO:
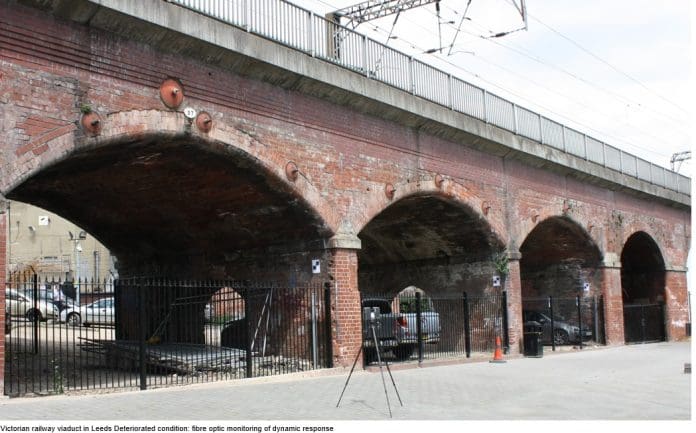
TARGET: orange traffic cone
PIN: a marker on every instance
(498, 355)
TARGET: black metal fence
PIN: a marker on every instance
(146, 332)
(644, 323)
(426, 327)
(565, 321)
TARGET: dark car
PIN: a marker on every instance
(563, 332)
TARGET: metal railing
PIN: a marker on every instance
(566, 320)
(304, 30)
(157, 332)
(438, 326)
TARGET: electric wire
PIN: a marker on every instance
(520, 51)
(552, 111)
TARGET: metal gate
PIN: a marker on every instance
(565, 320)
(426, 327)
(644, 323)
(154, 332)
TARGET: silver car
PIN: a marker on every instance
(21, 304)
(100, 312)
(563, 332)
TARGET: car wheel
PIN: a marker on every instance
(34, 314)
(74, 319)
(402, 353)
(560, 337)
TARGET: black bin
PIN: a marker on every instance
(533, 346)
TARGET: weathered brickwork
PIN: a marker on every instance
(143, 171)
(613, 305)
(514, 300)
(346, 313)
(676, 305)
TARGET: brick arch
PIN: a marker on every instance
(540, 214)
(448, 189)
(128, 126)
(563, 217)
(649, 231)
(558, 256)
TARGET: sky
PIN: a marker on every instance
(617, 70)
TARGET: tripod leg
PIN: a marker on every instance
(381, 372)
(393, 383)
(350, 374)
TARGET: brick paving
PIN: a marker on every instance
(640, 382)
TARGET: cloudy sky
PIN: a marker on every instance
(617, 70)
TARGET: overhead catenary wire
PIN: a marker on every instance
(590, 53)
(548, 110)
(516, 49)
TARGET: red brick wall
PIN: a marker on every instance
(48, 68)
(613, 305)
(514, 299)
(676, 305)
(345, 302)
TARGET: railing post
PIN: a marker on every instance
(584, 144)
(565, 146)
(315, 340)
(247, 316)
(247, 15)
(635, 166)
(604, 154)
(450, 93)
(506, 333)
(143, 334)
(467, 326)
(577, 302)
(514, 119)
(419, 328)
(35, 321)
(411, 76)
(595, 320)
(553, 331)
(485, 106)
(327, 324)
(365, 57)
(310, 33)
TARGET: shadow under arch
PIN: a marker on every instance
(429, 240)
(643, 279)
(174, 204)
(560, 260)
(168, 200)
(642, 270)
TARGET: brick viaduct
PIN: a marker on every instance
(388, 191)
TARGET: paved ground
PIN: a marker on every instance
(640, 382)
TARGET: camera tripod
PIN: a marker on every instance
(379, 362)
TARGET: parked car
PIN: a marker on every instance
(100, 312)
(20, 304)
(395, 332)
(563, 332)
(61, 303)
(430, 320)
